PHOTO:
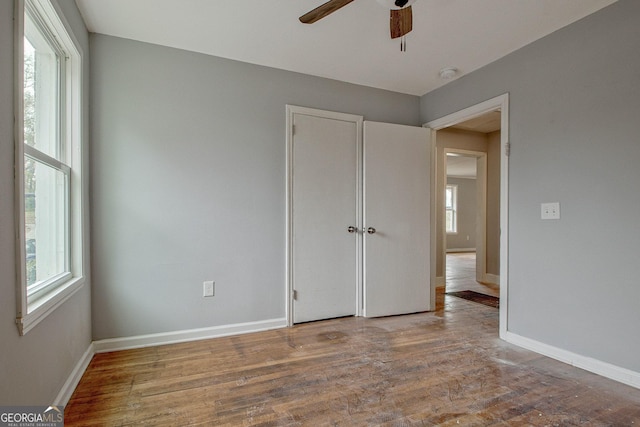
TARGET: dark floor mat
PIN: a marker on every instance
(474, 296)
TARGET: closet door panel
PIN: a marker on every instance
(397, 238)
(324, 205)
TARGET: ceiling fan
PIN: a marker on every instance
(400, 20)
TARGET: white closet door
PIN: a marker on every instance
(396, 219)
(324, 201)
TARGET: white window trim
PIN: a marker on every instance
(30, 313)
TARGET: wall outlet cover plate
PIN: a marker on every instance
(550, 210)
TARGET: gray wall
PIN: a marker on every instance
(574, 108)
(34, 367)
(188, 178)
(467, 209)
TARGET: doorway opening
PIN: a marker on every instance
(478, 132)
(467, 226)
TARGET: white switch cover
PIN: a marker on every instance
(550, 210)
(208, 289)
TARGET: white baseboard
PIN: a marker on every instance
(72, 382)
(455, 250)
(616, 373)
(440, 282)
(492, 279)
(115, 344)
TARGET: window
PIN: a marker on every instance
(48, 162)
(450, 203)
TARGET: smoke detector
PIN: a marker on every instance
(448, 73)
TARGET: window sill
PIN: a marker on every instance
(39, 309)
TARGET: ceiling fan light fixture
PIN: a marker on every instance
(448, 73)
(396, 4)
(400, 16)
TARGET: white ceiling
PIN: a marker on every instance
(352, 45)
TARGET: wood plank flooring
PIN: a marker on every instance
(443, 368)
(461, 275)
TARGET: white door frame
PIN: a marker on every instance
(358, 120)
(481, 212)
(500, 102)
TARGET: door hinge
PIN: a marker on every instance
(295, 295)
(507, 149)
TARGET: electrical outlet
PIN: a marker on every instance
(208, 288)
(550, 210)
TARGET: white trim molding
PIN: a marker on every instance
(72, 382)
(607, 370)
(150, 340)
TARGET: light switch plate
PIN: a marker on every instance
(550, 210)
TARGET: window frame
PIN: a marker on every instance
(34, 304)
(453, 209)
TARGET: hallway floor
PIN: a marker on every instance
(461, 275)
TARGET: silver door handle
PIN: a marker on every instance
(371, 230)
(351, 229)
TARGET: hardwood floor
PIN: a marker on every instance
(442, 368)
(461, 275)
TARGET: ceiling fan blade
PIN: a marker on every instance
(401, 22)
(323, 10)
